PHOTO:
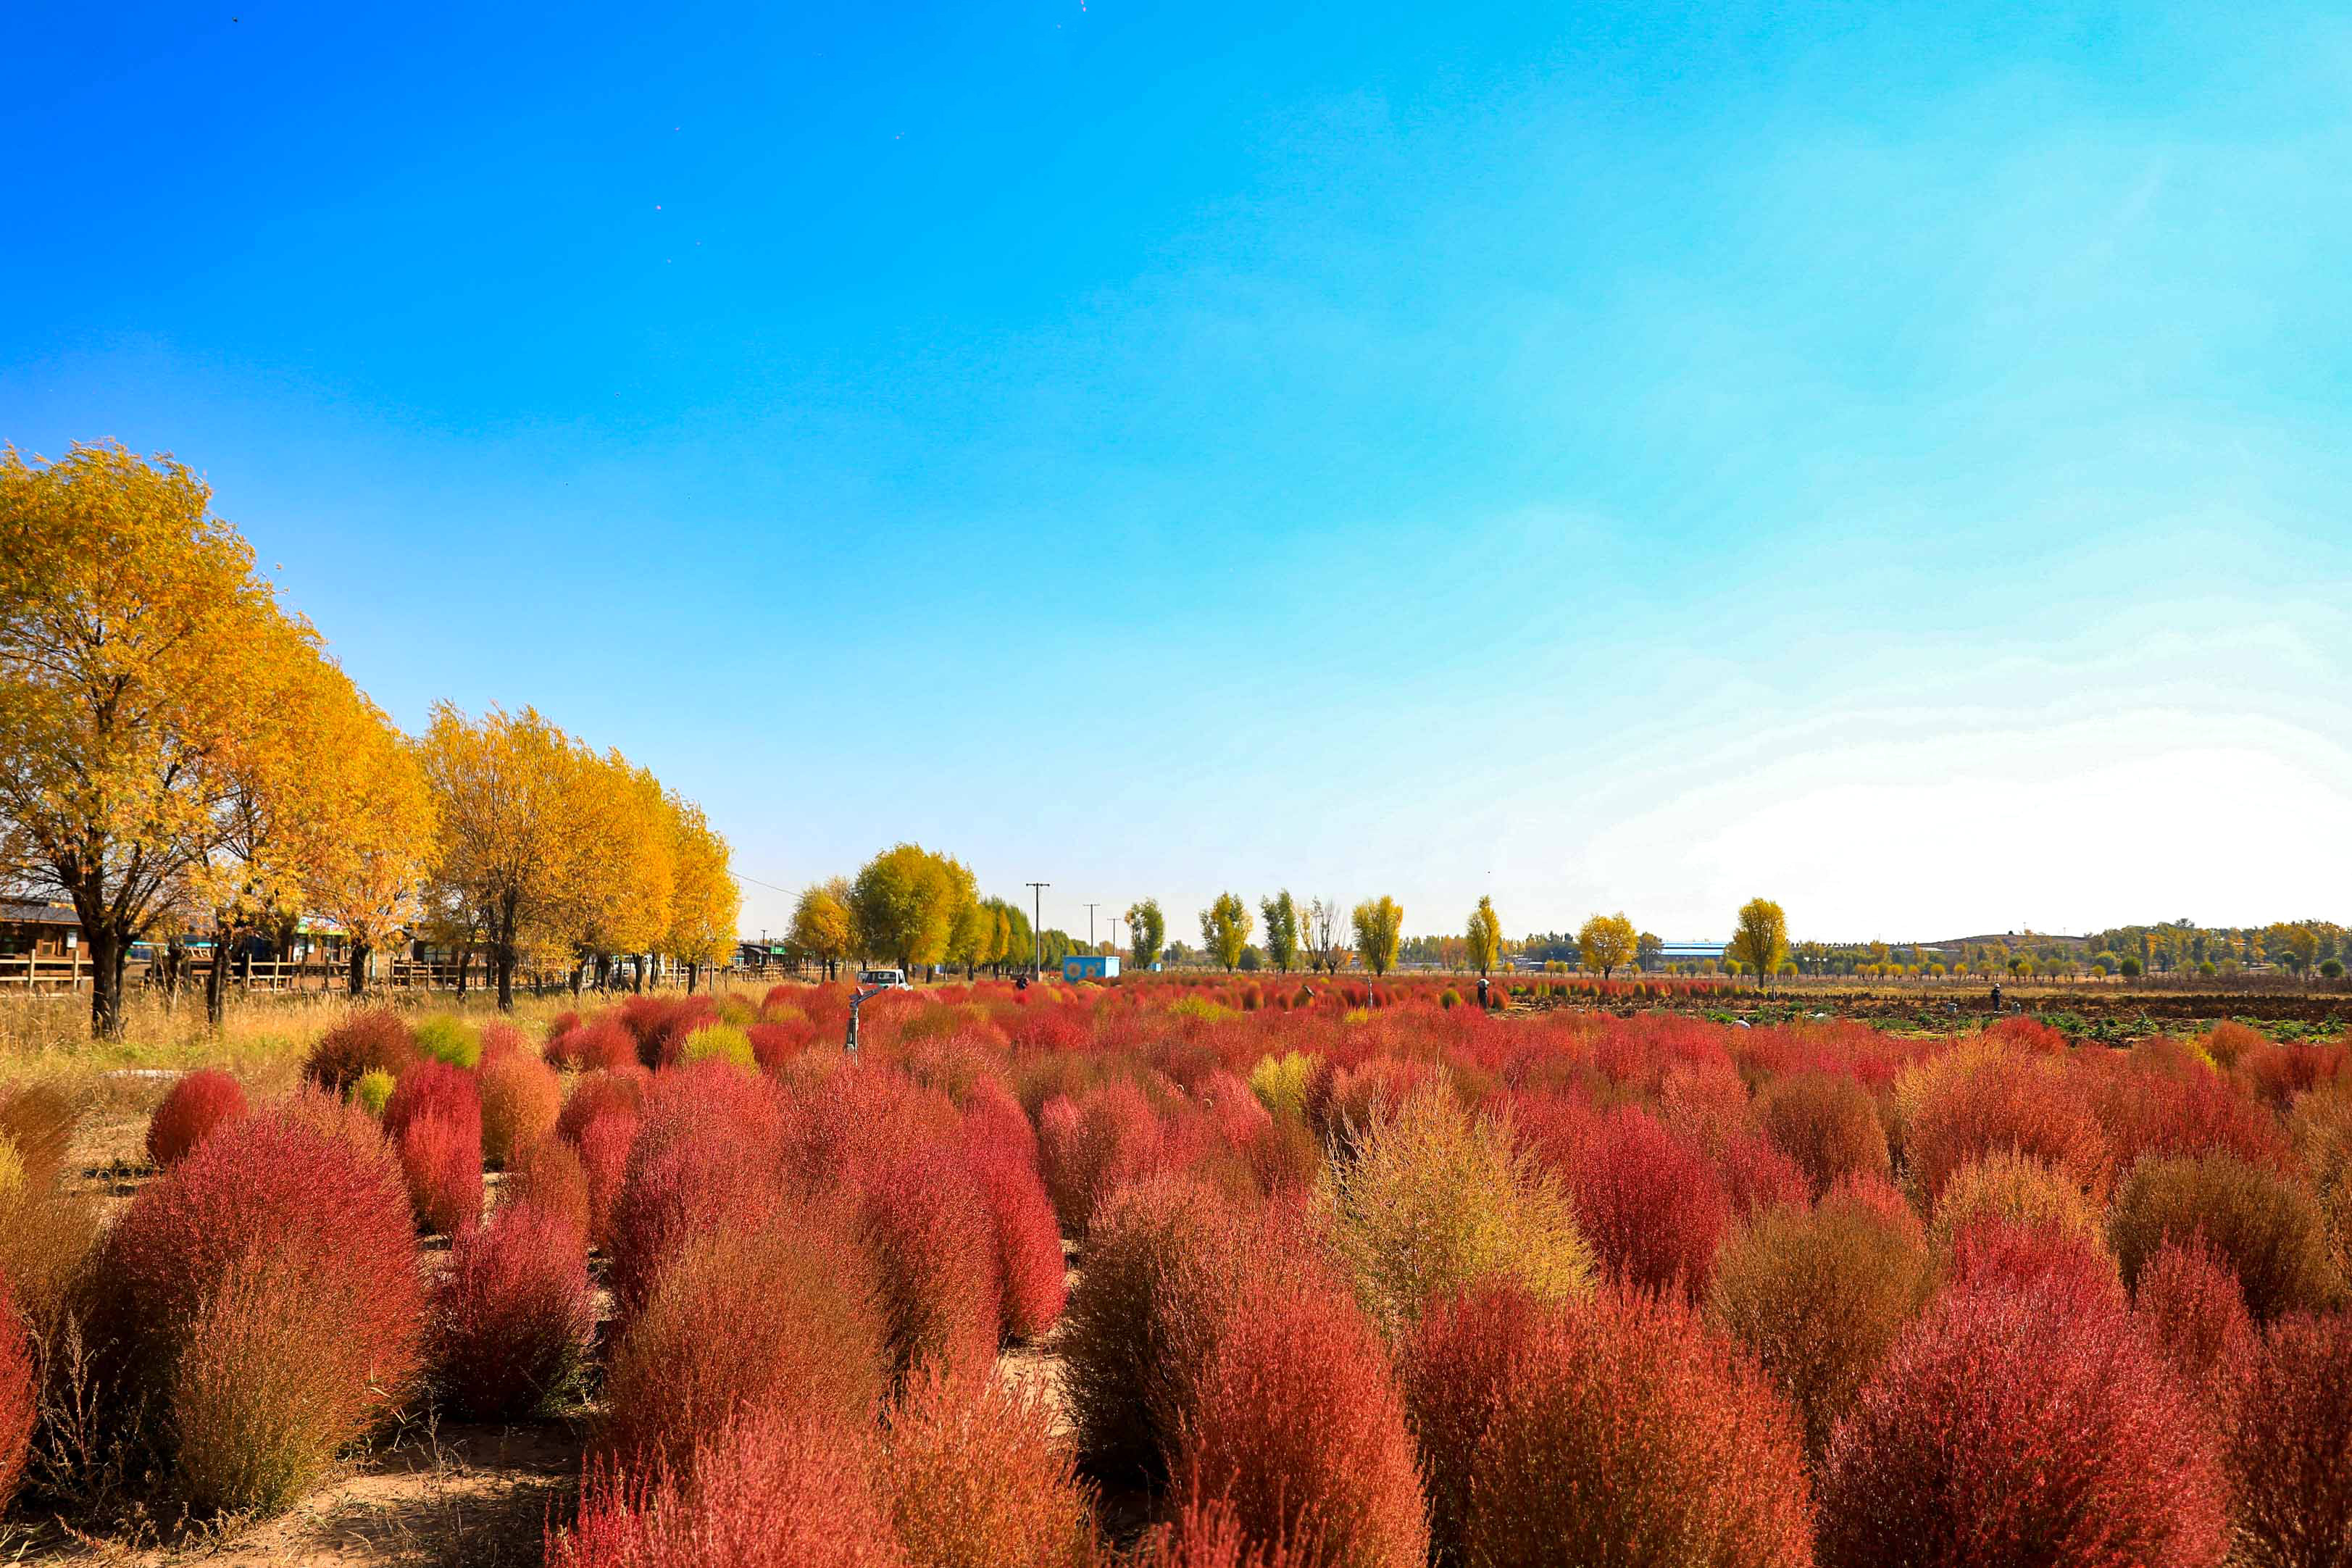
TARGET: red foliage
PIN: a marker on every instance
(2065, 1265)
(1299, 1427)
(604, 1148)
(976, 1475)
(932, 1233)
(601, 1046)
(1089, 1146)
(2030, 1105)
(1210, 1535)
(522, 1098)
(434, 1087)
(2267, 1229)
(1827, 1123)
(695, 1164)
(441, 1158)
(513, 1315)
(2189, 1304)
(19, 1395)
(2278, 1071)
(1758, 1175)
(2192, 1111)
(1653, 1208)
(549, 1177)
(273, 1185)
(786, 1316)
(1455, 1368)
(660, 1025)
(1030, 1271)
(2006, 1430)
(365, 1042)
(621, 1089)
(1627, 1433)
(197, 1103)
(2290, 1444)
(764, 1491)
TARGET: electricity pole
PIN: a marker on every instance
(1037, 926)
(1090, 924)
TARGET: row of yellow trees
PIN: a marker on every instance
(913, 907)
(180, 755)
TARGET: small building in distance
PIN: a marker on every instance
(38, 931)
(1670, 953)
(1090, 966)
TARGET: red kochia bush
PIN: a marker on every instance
(2006, 1430)
(197, 1103)
(2266, 1228)
(1652, 1206)
(2064, 1266)
(1828, 1123)
(1029, 1268)
(707, 1152)
(767, 1490)
(2188, 1305)
(522, 1098)
(441, 1158)
(2030, 1105)
(603, 1148)
(784, 1317)
(2290, 1445)
(975, 1475)
(513, 1315)
(433, 1087)
(1455, 1365)
(549, 1177)
(1299, 1427)
(302, 1230)
(597, 1092)
(601, 1046)
(370, 1041)
(1209, 1535)
(1628, 1434)
(18, 1395)
(932, 1233)
(1088, 1146)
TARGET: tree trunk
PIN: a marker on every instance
(355, 981)
(693, 973)
(644, 962)
(107, 950)
(465, 963)
(506, 977)
(216, 983)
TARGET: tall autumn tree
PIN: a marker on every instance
(906, 902)
(1281, 912)
(1325, 933)
(1607, 942)
(821, 926)
(1226, 930)
(1147, 933)
(624, 909)
(515, 843)
(704, 900)
(1379, 923)
(1482, 941)
(1761, 939)
(127, 709)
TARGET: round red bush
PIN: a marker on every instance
(2065, 1266)
(932, 1233)
(433, 1087)
(1630, 1435)
(1089, 1146)
(550, 1178)
(2290, 1445)
(605, 1148)
(522, 1098)
(441, 1160)
(198, 1103)
(2266, 1228)
(1651, 1205)
(1828, 1123)
(1298, 1427)
(599, 1092)
(370, 1041)
(2007, 1430)
(1453, 1367)
(1030, 1272)
(976, 1476)
(513, 1316)
(2031, 1105)
(2189, 1304)
(19, 1395)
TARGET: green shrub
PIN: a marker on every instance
(1438, 1200)
(450, 1040)
(722, 1042)
(372, 1091)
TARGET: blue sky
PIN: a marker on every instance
(1891, 459)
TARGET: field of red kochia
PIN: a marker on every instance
(1367, 1278)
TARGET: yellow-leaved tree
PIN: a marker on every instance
(906, 902)
(1378, 924)
(1483, 940)
(821, 926)
(1608, 942)
(1226, 930)
(1762, 938)
(365, 862)
(129, 709)
(704, 900)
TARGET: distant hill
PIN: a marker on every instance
(2015, 939)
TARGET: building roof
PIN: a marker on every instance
(1690, 950)
(14, 913)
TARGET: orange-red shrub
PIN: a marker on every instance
(1088, 1146)
(975, 1475)
(2008, 1430)
(2188, 1305)
(513, 1316)
(621, 1089)
(2030, 1105)
(1298, 1427)
(2267, 1229)
(766, 1490)
(1629, 1434)
(441, 1160)
(1030, 1273)
(1827, 1123)
(2065, 1265)
(548, 1176)
(19, 1394)
(1455, 1366)
(197, 1103)
(605, 1148)
(782, 1317)
(1651, 1205)
(522, 1098)
(1210, 1535)
(934, 1238)
(434, 1087)
(2290, 1445)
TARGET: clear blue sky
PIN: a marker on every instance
(1895, 459)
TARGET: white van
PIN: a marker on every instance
(885, 978)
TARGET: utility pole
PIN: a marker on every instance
(1090, 924)
(1037, 926)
